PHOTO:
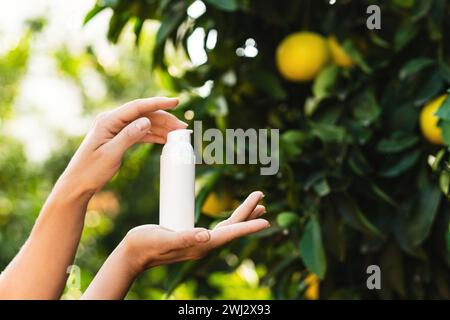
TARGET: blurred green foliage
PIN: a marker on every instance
(18, 209)
(12, 67)
(358, 184)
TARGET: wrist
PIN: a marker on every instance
(73, 189)
(127, 259)
(115, 276)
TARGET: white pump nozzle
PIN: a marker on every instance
(181, 135)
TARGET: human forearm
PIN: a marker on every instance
(39, 269)
(114, 278)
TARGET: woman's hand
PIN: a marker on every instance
(151, 245)
(99, 156)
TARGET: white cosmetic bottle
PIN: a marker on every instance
(177, 181)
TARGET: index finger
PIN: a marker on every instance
(132, 110)
(225, 234)
(244, 210)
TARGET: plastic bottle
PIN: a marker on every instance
(177, 181)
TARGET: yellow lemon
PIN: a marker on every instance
(313, 290)
(339, 56)
(217, 203)
(429, 121)
(301, 56)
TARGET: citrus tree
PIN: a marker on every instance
(364, 173)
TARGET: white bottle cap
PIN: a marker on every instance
(181, 135)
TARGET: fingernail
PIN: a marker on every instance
(202, 236)
(262, 195)
(183, 123)
(143, 124)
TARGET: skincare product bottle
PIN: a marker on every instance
(177, 180)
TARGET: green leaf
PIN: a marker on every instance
(322, 188)
(396, 143)
(435, 161)
(444, 181)
(225, 5)
(137, 29)
(311, 105)
(445, 128)
(404, 35)
(287, 218)
(311, 248)
(433, 86)
(398, 165)
(444, 71)
(92, 13)
(404, 3)
(329, 133)
(444, 110)
(382, 195)
(366, 108)
(358, 163)
(293, 141)
(353, 216)
(421, 9)
(269, 83)
(179, 271)
(168, 25)
(312, 178)
(379, 41)
(362, 134)
(279, 267)
(116, 25)
(424, 213)
(335, 236)
(413, 66)
(351, 49)
(325, 82)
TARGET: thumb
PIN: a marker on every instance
(188, 238)
(131, 134)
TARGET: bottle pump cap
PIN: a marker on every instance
(181, 135)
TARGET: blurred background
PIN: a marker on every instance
(363, 114)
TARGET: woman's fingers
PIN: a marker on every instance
(225, 234)
(160, 131)
(244, 211)
(258, 212)
(163, 119)
(153, 138)
(141, 107)
(184, 239)
(163, 123)
(129, 135)
(194, 244)
(139, 130)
